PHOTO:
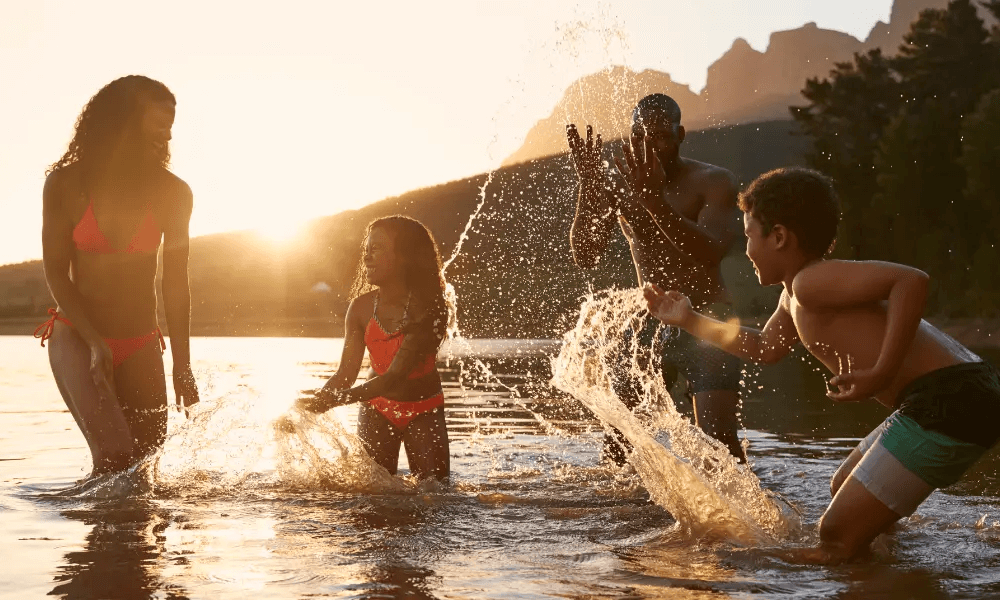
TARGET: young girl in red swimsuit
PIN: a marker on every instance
(105, 207)
(402, 322)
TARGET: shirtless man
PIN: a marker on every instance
(862, 319)
(680, 219)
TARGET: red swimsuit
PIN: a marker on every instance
(382, 348)
(87, 237)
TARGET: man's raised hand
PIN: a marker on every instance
(586, 154)
(644, 175)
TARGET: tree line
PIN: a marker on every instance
(913, 144)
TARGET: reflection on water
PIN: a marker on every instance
(529, 513)
(121, 553)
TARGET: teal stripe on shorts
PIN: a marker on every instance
(938, 459)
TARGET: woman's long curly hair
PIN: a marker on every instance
(420, 263)
(107, 121)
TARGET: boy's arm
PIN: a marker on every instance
(760, 346)
(837, 285)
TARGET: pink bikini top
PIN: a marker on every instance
(88, 237)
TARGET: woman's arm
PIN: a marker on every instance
(57, 254)
(177, 293)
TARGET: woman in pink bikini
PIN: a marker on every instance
(106, 204)
(402, 322)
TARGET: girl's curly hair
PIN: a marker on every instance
(420, 261)
(116, 109)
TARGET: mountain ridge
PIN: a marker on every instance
(743, 85)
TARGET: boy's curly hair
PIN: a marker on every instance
(802, 200)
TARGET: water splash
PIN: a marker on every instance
(692, 475)
(250, 441)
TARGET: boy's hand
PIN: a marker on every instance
(673, 308)
(856, 385)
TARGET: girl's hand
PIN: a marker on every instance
(857, 385)
(323, 400)
(672, 308)
(102, 370)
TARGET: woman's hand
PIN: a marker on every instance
(102, 370)
(672, 308)
(185, 387)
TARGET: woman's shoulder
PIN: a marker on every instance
(63, 188)
(64, 179)
(171, 197)
(175, 189)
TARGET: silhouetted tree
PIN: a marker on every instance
(890, 131)
(981, 161)
(846, 117)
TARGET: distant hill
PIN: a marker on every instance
(742, 86)
(514, 276)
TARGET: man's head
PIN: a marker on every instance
(789, 214)
(658, 117)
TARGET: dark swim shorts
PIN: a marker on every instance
(705, 367)
(947, 419)
(961, 401)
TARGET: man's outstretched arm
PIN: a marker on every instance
(593, 223)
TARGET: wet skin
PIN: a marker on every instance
(680, 219)
(121, 410)
(862, 320)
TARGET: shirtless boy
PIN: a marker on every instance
(680, 219)
(863, 321)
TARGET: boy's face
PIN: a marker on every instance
(760, 250)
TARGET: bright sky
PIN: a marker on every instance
(291, 110)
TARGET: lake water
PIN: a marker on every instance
(233, 509)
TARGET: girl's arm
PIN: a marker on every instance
(417, 344)
(760, 346)
(394, 382)
(331, 394)
(839, 284)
